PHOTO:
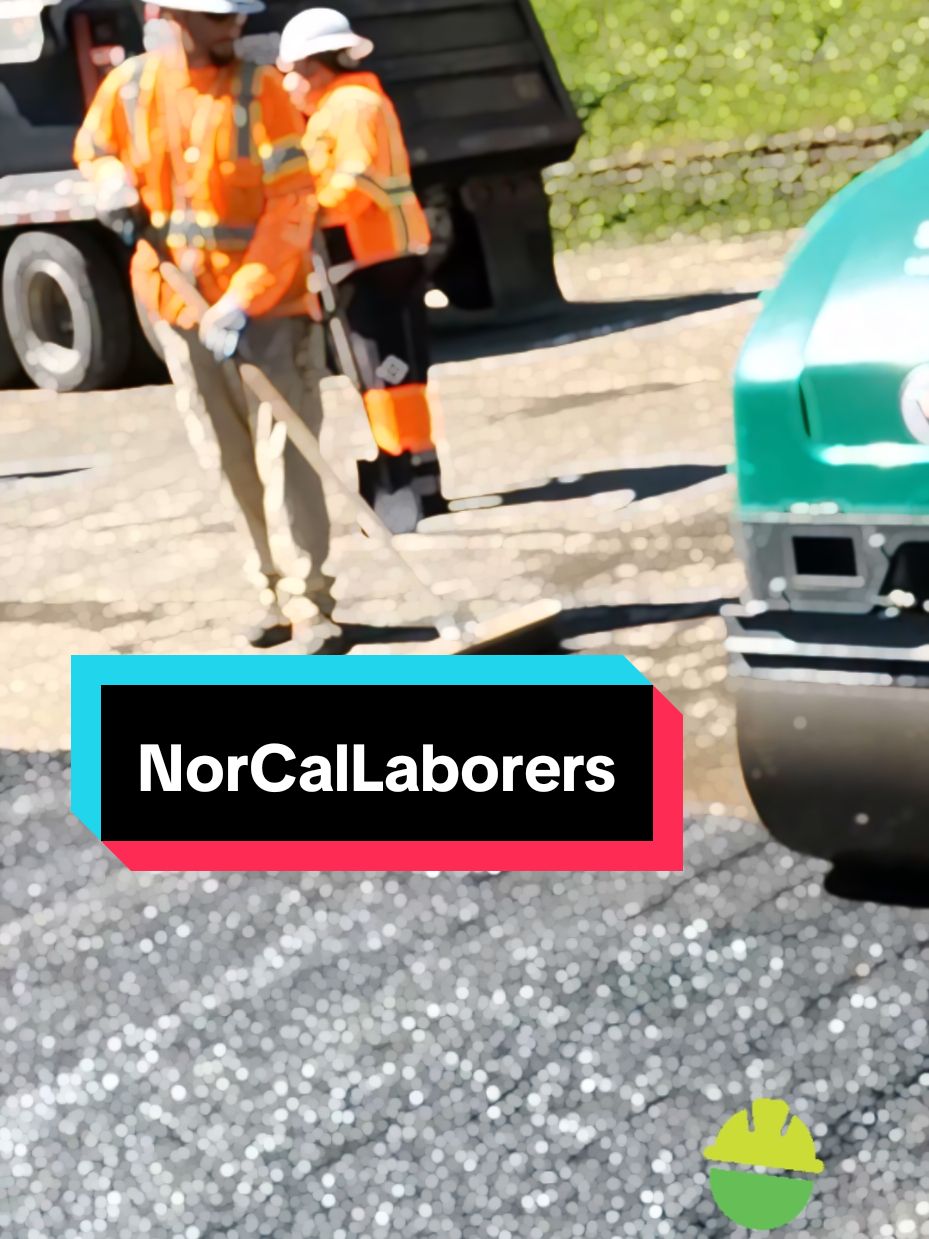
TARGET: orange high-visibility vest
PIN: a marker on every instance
(361, 170)
(216, 156)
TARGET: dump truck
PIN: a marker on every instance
(829, 647)
(483, 108)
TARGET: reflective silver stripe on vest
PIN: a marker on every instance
(394, 196)
(242, 111)
(280, 157)
(398, 190)
(183, 229)
(129, 94)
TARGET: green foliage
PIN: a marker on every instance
(694, 71)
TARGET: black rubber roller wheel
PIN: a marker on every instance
(838, 770)
(68, 310)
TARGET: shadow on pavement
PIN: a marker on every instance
(572, 321)
(646, 482)
(867, 880)
(83, 613)
(42, 473)
(585, 621)
(575, 622)
(560, 404)
(375, 634)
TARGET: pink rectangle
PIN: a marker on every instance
(664, 852)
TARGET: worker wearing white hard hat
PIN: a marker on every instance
(321, 30)
(375, 236)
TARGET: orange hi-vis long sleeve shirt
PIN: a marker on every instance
(361, 169)
(216, 156)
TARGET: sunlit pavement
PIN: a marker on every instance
(188, 1057)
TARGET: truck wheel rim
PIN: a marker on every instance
(52, 331)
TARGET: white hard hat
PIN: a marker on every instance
(321, 30)
(241, 8)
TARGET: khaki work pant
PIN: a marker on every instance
(236, 436)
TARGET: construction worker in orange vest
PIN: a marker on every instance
(374, 237)
(202, 152)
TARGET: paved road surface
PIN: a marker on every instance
(517, 1056)
(606, 457)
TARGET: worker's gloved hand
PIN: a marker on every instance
(119, 207)
(221, 327)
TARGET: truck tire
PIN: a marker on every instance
(147, 328)
(10, 369)
(146, 363)
(68, 310)
(461, 272)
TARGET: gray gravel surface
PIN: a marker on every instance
(187, 1056)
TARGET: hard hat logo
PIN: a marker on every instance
(768, 1139)
(315, 31)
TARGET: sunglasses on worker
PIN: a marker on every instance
(224, 19)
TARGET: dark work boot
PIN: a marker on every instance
(427, 482)
(323, 637)
(269, 628)
(386, 485)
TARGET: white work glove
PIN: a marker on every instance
(116, 193)
(221, 327)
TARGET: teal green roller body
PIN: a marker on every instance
(829, 647)
(817, 389)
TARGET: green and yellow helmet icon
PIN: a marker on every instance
(757, 1200)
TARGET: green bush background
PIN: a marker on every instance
(691, 71)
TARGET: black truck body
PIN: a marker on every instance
(483, 109)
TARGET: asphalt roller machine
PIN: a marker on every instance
(829, 649)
